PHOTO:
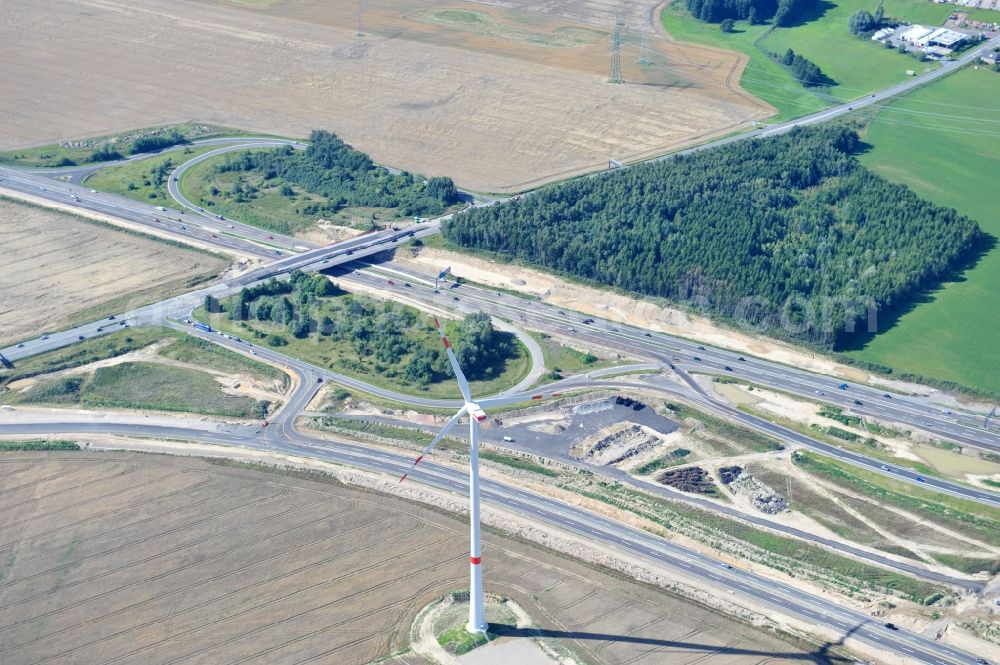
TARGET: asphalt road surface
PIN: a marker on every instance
(281, 437)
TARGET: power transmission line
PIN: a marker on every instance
(616, 54)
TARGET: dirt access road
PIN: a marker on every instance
(500, 98)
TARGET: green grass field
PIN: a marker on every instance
(143, 385)
(137, 180)
(858, 65)
(78, 151)
(943, 141)
(762, 76)
(196, 351)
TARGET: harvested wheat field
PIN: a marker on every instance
(58, 267)
(501, 98)
(126, 558)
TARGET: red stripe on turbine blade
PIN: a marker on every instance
(475, 560)
(404, 477)
(436, 324)
(556, 394)
(536, 397)
(418, 460)
(446, 344)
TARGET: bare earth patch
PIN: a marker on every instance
(57, 265)
(521, 101)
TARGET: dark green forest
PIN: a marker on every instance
(788, 234)
(346, 177)
(782, 12)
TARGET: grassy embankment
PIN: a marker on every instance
(38, 444)
(962, 516)
(942, 141)
(145, 180)
(143, 384)
(78, 152)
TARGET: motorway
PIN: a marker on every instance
(245, 240)
(281, 437)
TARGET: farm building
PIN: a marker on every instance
(916, 35)
(883, 34)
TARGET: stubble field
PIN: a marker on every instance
(500, 98)
(59, 267)
(118, 558)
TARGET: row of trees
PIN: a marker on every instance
(782, 12)
(788, 233)
(345, 176)
(805, 71)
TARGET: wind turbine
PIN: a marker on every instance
(477, 617)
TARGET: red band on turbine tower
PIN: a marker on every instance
(475, 560)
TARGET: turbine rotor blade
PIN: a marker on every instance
(463, 385)
(440, 435)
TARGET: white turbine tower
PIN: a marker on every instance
(477, 617)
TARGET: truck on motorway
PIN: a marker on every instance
(202, 327)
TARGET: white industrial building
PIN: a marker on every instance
(922, 37)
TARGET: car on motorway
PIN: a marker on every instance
(728, 368)
(111, 318)
(454, 298)
(230, 226)
(220, 216)
(696, 358)
(214, 236)
(742, 359)
(891, 626)
(20, 346)
(350, 251)
(184, 228)
(727, 566)
(887, 395)
(93, 191)
(647, 335)
(701, 348)
(407, 285)
(319, 379)
(80, 337)
(390, 282)
(588, 321)
(884, 467)
(45, 336)
(919, 479)
(269, 237)
(571, 329)
(278, 252)
(859, 402)
(842, 386)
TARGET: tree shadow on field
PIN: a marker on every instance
(889, 317)
(813, 12)
(822, 655)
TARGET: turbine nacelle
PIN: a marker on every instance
(476, 412)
